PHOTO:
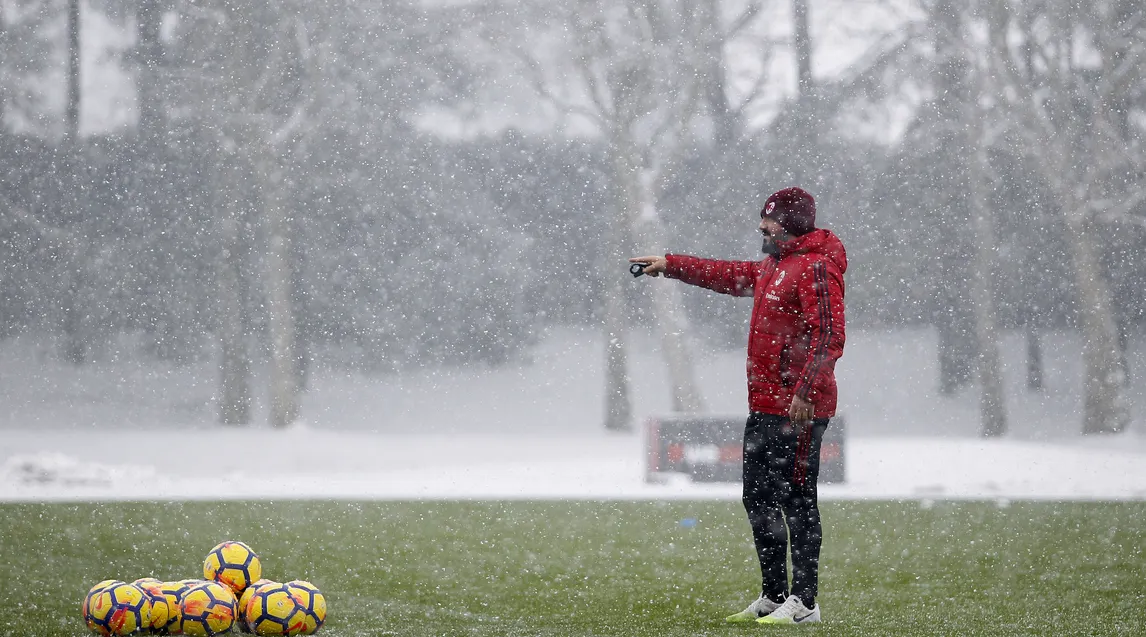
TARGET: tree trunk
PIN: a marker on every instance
(956, 323)
(955, 329)
(303, 328)
(992, 405)
(802, 43)
(807, 165)
(1034, 359)
(4, 90)
(235, 364)
(1122, 52)
(992, 402)
(1123, 327)
(75, 345)
(618, 407)
(618, 410)
(284, 382)
(235, 367)
(673, 324)
(1105, 408)
(72, 108)
(686, 396)
(725, 121)
(149, 17)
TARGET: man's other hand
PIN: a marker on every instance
(653, 265)
(801, 410)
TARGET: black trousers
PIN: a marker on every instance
(781, 467)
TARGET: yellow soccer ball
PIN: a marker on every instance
(160, 610)
(95, 589)
(312, 602)
(91, 596)
(234, 565)
(245, 601)
(207, 609)
(272, 610)
(113, 607)
(171, 596)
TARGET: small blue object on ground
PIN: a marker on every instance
(688, 523)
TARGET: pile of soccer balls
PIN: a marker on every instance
(232, 592)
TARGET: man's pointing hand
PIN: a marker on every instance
(653, 265)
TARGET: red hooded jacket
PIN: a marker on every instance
(797, 328)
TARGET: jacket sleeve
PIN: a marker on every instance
(822, 304)
(737, 278)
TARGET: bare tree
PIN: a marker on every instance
(967, 128)
(802, 43)
(992, 403)
(285, 375)
(255, 99)
(632, 68)
(72, 107)
(74, 314)
(634, 56)
(1064, 88)
(234, 399)
(272, 74)
(149, 60)
(5, 73)
(713, 34)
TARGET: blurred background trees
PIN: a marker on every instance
(395, 184)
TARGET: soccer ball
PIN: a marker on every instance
(207, 609)
(95, 590)
(171, 595)
(244, 602)
(272, 610)
(233, 564)
(160, 608)
(312, 602)
(113, 607)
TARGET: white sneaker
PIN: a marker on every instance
(792, 611)
(755, 611)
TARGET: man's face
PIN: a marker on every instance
(773, 234)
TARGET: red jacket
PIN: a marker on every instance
(797, 329)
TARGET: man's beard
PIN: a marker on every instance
(770, 247)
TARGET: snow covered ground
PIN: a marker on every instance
(115, 430)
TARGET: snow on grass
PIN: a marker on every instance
(350, 465)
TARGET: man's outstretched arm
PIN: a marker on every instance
(737, 278)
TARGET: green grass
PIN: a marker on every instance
(602, 568)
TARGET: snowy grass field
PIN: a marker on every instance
(565, 568)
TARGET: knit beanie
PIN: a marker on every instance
(793, 208)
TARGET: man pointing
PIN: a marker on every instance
(795, 337)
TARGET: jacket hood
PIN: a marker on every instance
(819, 241)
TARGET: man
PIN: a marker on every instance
(794, 339)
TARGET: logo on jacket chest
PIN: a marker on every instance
(771, 293)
